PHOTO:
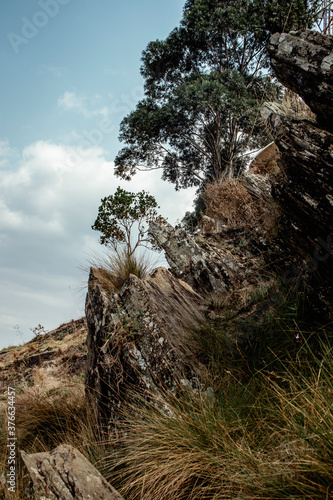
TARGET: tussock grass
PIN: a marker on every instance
(262, 430)
(113, 269)
(231, 203)
(269, 438)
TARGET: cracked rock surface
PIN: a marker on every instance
(66, 474)
(303, 62)
(140, 337)
(203, 267)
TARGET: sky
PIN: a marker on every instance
(70, 73)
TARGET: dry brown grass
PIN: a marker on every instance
(113, 269)
(232, 204)
(267, 439)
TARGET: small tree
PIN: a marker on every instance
(119, 215)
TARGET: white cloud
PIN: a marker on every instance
(71, 101)
(49, 199)
(6, 152)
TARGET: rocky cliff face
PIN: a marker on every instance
(303, 62)
(140, 337)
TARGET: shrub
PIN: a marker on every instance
(118, 217)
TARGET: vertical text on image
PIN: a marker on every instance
(11, 445)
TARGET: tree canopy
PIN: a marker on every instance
(203, 88)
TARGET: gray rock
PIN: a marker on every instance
(203, 267)
(258, 185)
(303, 62)
(305, 195)
(140, 337)
(65, 473)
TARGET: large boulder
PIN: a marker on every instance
(303, 62)
(204, 267)
(140, 337)
(65, 473)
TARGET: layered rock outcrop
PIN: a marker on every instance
(204, 268)
(140, 337)
(65, 473)
(303, 62)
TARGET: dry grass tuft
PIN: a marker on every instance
(114, 269)
(231, 204)
(271, 438)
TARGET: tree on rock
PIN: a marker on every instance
(123, 219)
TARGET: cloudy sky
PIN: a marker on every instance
(70, 73)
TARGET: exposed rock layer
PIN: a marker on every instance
(303, 62)
(204, 268)
(65, 473)
(139, 337)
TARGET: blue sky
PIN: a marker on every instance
(70, 73)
